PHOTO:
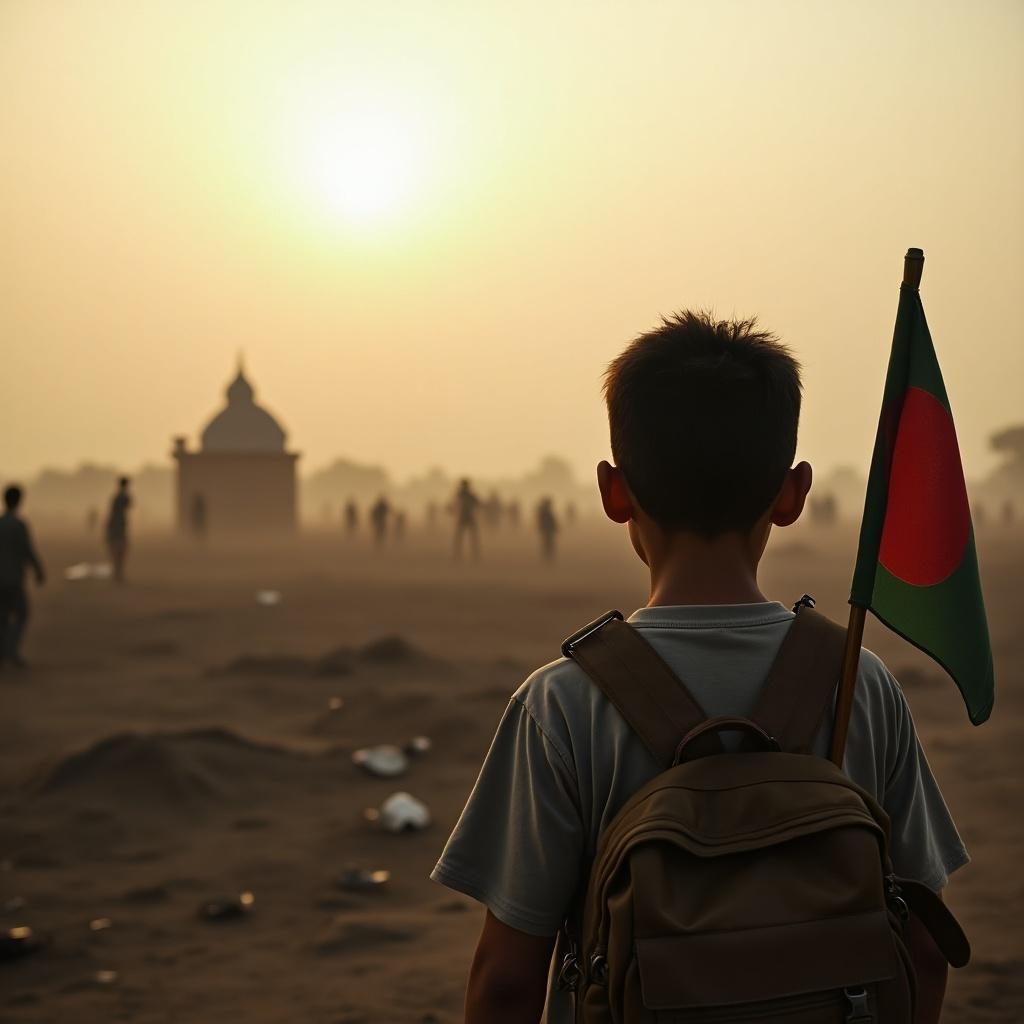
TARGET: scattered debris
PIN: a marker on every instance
(227, 909)
(268, 598)
(88, 571)
(18, 942)
(335, 704)
(105, 977)
(385, 761)
(418, 745)
(100, 924)
(355, 879)
(402, 812)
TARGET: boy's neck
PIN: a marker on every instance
(688, 569)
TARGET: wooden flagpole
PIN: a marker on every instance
(913, 265)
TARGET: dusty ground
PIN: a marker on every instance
(142, 774)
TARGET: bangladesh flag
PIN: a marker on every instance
(917, 567)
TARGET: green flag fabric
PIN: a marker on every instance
(917, 566)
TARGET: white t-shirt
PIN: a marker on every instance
(563, 762)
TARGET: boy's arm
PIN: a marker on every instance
(931, 969)
(508, 979)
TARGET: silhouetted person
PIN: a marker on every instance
(197, 517)
(492, 510)
(16, 554)
(466, 506)
(351, 517)
(380, 513)
(117, 528)
(399, 525)
(92, 520)
(547, 527)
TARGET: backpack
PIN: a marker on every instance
(752, 885)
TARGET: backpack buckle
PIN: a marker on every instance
(592, 627)
(570, 975)
(860, 1013)
(805, 602)
(599, 969)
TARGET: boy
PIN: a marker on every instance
(17, 554)
(703, 417)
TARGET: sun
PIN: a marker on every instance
(361, 158)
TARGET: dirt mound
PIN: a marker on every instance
(387, 652)
(394, 650)
(334, 663)
(164, 770)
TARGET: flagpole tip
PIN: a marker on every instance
(913, 265)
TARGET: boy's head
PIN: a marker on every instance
(12, 497)
(703, 416)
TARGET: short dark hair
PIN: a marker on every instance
(703, 416)
(12, 496)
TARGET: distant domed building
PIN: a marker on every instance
(242, 480)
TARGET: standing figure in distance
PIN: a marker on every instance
(547, 527)
(351, 516)
(16, 553)
(117, 528)
(379, 516)
(466, 508)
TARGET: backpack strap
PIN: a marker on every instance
(654, 702)
(801, 681)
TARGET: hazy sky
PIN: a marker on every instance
(430, 225)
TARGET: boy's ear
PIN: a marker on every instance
(615, 496)
(790, 502)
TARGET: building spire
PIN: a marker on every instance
(240, 390)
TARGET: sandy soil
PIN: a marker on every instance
(175, 743)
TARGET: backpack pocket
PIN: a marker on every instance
(793, 972)
(817, 1008)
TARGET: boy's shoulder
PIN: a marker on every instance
(557, 696)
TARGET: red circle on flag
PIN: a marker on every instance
(927, 518)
